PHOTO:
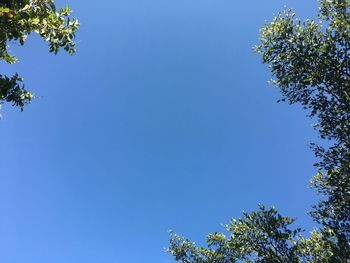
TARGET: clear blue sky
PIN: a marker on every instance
(162, 120)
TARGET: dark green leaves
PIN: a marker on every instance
(12, 91)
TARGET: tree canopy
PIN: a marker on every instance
(261, 236)
(310, 64)
(20, 18)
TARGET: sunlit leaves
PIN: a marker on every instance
(261, 236)
(18, 19)
(310, 64)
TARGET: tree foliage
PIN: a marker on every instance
(262, 236)
(310, 64)
(20, 18)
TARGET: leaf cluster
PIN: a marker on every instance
(262, 236)
(20, 18)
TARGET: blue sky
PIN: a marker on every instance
(162, 120)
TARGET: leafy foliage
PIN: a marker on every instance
(262, 236)
(20, 18)
(310, 64)
(12, 91)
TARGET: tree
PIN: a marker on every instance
(20, 18)
(310, 65)
(261, 236)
